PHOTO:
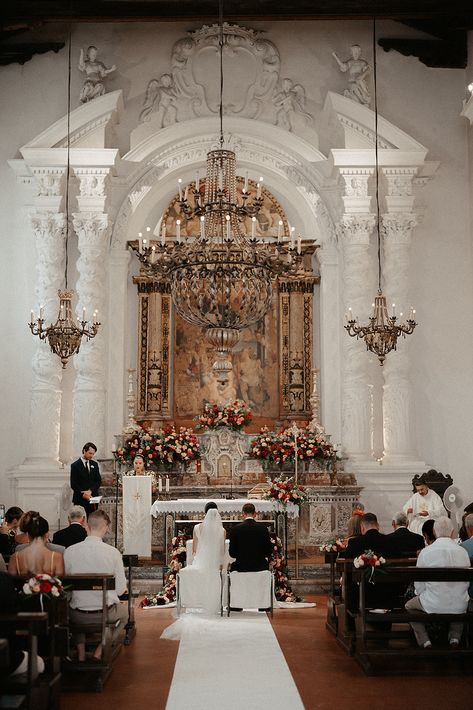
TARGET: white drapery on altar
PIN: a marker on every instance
(136, 520)
(197, 505)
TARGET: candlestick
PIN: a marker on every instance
(279, 230)
(167, 484)
(197, 183)
(202, 227)
(292, 237)
(229, 235)
(160, 485)
(299, 245)
(32, 317)
(179, 185)
(178, 229)
(245, 187)
(41, 309)
(83, 314)
(258, 191)
(153, 254)
(253, 227)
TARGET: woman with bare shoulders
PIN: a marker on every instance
(36, 558)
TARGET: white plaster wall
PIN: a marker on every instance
(424, 102)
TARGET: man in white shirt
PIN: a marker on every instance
(424, 504)
(94, 556)
(441, 597)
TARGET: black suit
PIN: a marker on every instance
(371, 540)
(250, 545)
(82, 480)
(70, 536)
(405, 543)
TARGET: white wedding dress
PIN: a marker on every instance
(200, 582)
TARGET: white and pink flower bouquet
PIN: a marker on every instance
(234, 415)
(285, 490)
(369, 561)
(43, 585)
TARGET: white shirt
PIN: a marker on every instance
(431, 502)
(94, 556)
(443, 597)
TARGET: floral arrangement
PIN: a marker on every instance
(282, 586)
(333, 545)
(43, 585)
(369, 560)
(285, 490)
(234, 415)
(178, 558)
(165, 447)
(279, 448)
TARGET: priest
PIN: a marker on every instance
(424, 504)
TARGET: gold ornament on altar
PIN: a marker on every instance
(221, 278)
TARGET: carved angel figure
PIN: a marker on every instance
(95, 72)
(290, 103)
(357, 69)
(160, 98)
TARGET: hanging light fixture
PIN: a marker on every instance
(221, 279)
(382, 331)
(65, 335)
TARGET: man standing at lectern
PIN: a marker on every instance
(85, 477)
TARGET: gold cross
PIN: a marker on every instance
(137, 495)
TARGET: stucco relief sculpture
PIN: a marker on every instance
(95, 72)
(252, 70)
(358, 69)
(161, 98)
(290, 104)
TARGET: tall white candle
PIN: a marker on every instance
(32, 317)
(197, 183)
(299, 245)
(292, 237)
(245, 188)
(229, 234)
(253, 227)
(258, 191)
(153, 254)
(83, 314)
(167, 484)
(186, 192)
(279, 230)
(41, 310)
(140, 243)
(179, 185)
(178, 229)
(160, 485)
(202, 227)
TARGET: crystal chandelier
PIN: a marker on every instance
(65, 335)
(382, 331)
(221, 279)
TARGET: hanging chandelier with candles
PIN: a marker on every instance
(221, 279)
(382, 331)
(65, 335)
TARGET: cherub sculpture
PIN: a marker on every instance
(160, 97)
(290, 102)
(95, 72)
(357, 69)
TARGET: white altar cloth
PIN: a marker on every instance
(197, 505)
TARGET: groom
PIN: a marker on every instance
(250, 543)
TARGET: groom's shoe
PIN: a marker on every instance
(235, 608)
(268, 608)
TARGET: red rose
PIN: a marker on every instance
(45, 587)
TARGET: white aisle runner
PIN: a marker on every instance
(234, 663)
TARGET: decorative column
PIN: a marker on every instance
(91, 224)
(48, 226)
(356, 226)
(397, 226)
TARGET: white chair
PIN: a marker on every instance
(198, 589)
(250, 590)
(189, 552)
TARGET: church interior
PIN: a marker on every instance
(236, 243)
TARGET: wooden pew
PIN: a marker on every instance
(29, 690)
(343, 605)
(396, 649)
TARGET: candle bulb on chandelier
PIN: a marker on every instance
(83, 314)
(229, 235)
(148, 229)
(202, 227)
(41, 310)
(153, 254)
(186, 192)
(144, 244)
(279, 230)
(178, 229)
(179, 185)
(32, 318)
(95, 316)
(394, 309)
(163, 233)
(293, 236)
(253, 227)
(140, 243)
(258, 190)
(62, 312)
(197, 183)
(245, 186)
(299, 245)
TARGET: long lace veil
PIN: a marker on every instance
(211, 543)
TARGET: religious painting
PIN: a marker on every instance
(254, 377)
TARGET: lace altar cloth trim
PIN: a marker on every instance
(197, 505)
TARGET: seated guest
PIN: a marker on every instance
(358, 509)
(3, 567)
(468, 544)
(370, 539)
(428, 532)
(24, 525)
(353, 529)
(404, 543)
(250, 544)
(440, 597)
(462, 533)
(75, 531)
(35, 558)
(8, 530)
(94, 556)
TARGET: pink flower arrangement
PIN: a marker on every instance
(280, 449)
(234, 415)
(285, 491)
(369, 560)
(43, 584)
(165, 447)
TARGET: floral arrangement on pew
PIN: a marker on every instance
(369, 561)
(234, 415)
(43, 586)
(282, 586)
(165, 447)
(335, 545)
(285, 490)
(279, 448)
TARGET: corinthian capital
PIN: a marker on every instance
(90, 226)
(397, 228)
(356, 228)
